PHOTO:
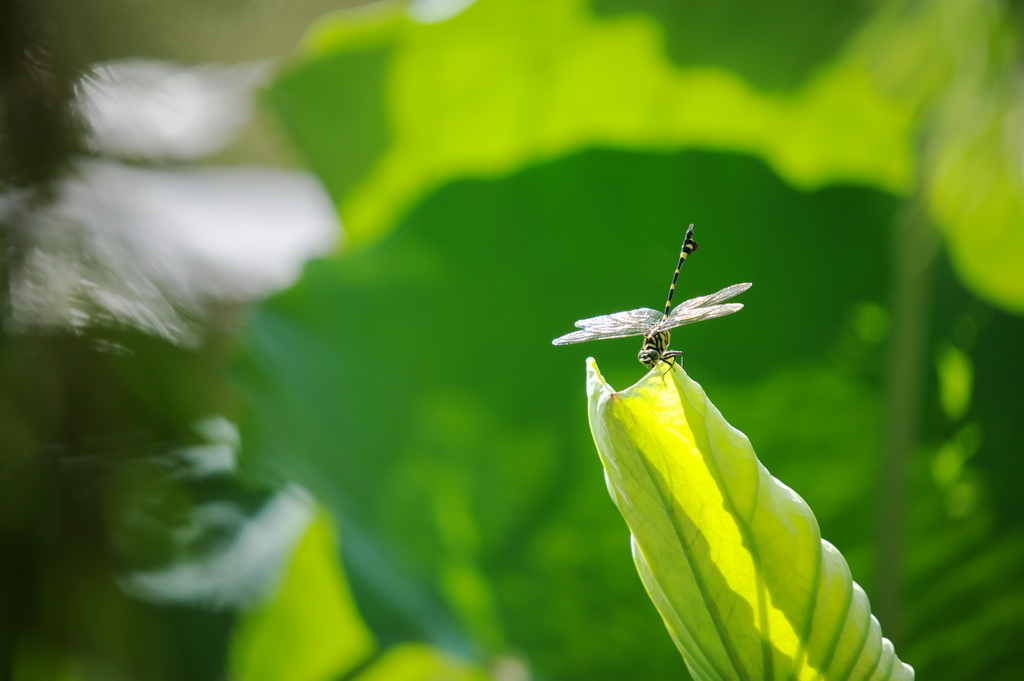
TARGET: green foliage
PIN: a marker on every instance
(310, 630)
(956, 66)
(469, 467)
(500, 172)
(506, 84)
(772, 46)
(535, 165)
(855, 119)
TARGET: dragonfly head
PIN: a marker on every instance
(649, 356)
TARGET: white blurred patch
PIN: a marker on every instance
(137, 108)
(436, 11)
(159, 249)
(238, 572)
(219, 453)
(227, 553)
(162, 250)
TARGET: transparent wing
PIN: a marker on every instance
(704, 307)
(617, 325)
(683, 309)
(698, 315)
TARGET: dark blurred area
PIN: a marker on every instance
(38, 78)
(124, 268)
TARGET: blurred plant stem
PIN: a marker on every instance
(913, 246)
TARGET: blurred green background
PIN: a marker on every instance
(319, 452)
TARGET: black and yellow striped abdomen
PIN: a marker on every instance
(689, 246)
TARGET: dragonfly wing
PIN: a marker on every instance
(616, 325)
(638, 320)
(727, 293)
(699, 314)
(684, 308)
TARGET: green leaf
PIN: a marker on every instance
(418, 662)
(481, 276)
(969, 117)
(506, 84)
(886, 99)
(732, 34)
(310, 630)
(977, 193)
(731, 557)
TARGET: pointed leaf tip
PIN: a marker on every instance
(730, 556)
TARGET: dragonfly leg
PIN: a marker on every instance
(669, 357)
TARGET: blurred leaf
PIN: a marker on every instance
(731, 556)
(960, 565)
(96, 484)
(314, 114)
(977, 195)
(34, 662)
(469, 469)
(310, 629)
(956, 67)
(953, 70)
(416, 662)
(462, 154)
(773, 45)
(956, 376)
(505, 84)
(472, 96)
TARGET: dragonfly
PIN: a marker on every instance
(653, 325)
